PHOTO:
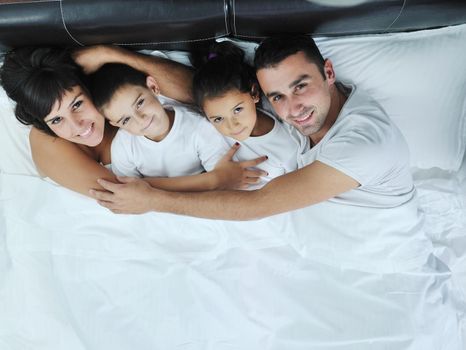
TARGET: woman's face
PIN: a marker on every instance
(75, 118)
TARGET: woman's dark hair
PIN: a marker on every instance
(109, 78)
(35, 78)
(220, 67)
(273, 50)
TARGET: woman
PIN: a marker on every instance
(70, 141)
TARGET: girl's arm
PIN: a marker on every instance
(173, 78)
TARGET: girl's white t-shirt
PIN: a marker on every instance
(282, 145)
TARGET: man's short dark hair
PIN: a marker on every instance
(274, 50)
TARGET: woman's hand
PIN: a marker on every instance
(91, 58)
(232, 175)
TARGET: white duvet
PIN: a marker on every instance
(75, 276)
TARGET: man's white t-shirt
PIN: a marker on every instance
(192, 146)
(376, 226)
(280, 145)
(365, 145)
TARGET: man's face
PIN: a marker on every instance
(298, 92)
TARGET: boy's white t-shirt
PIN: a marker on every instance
(192, 146)
(281, 145)
(367, 146)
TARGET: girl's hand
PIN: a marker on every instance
(237, 175)
(91, 58)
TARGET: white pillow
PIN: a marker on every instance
(420, 80)
(418, 77)
(15, 155)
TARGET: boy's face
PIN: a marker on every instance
(233, 114)
(137, 110)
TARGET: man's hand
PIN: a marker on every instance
(91, 58)
(237, 175)
(130, 196)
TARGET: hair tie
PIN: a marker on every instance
(211, 55)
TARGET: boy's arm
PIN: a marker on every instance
(312, 184)
(173, 78)
(227, 174)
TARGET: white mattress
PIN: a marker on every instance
(75, 276)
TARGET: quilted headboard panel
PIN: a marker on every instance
(176, 24)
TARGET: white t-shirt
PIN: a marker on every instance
(281, 146)
(366, 145)
(192, 146)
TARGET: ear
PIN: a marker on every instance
(255, 93)
(152, 85)
(329, 72)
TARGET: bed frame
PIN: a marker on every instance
(161, 24)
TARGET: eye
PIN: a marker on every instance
(125, 120)
(56, 120)
(300, 86)
(77, 104)
(237, 110)
(217, 120)
(140, 103)
(276, 98)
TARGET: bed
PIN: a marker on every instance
(75, 276)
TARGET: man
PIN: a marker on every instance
(357, 156)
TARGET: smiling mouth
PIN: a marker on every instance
(148, 124)
(305, 119)
(87, 132)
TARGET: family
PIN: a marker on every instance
(141, 133)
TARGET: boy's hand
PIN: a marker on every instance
(91, 58)
(237, 175)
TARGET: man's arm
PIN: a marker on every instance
(173, 78)
(312, 184)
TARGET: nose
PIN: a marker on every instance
(76, 122)
(140, 117)
(232, 123)
(295, 106)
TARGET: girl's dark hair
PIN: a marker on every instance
(220, 67)
(35, 78)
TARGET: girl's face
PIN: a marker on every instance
(75, 118)
(233, 114)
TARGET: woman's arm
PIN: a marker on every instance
(67, 163)
(173, 78)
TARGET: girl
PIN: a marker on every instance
(226, 90)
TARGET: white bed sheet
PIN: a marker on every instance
(75, 276)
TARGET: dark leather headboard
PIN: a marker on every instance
(177, 23)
